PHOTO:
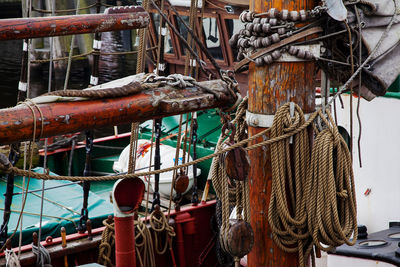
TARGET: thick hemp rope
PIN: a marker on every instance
(319, 190)
(331, 201)
(289, 225)
(107, 243)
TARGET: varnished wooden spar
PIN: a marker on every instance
(24, 28)
(270, 87)
(16, 123)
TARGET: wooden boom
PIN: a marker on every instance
(23, 28)
(17, 123)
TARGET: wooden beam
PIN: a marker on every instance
(270, 87)
(24, 28)
(16, 123)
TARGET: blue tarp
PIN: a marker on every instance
(70, 196)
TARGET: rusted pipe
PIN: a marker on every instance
(16, 124)
(24, 28)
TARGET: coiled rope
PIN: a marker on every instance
(144, 245)
(331, 200)
(289, 225)
(313, 200)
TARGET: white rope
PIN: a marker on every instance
(11, 258)
(22, 197)
(42, 255)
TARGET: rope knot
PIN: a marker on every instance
(342, 194)
(5, 164)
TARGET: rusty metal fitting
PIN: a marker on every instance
(266, 27)
(268, 59)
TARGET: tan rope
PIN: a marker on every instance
(331, 201)
(159, 223)
(140, 64)
(289, 225)
(29, 171)
(63, 10)
(92, 52)
(321, 199)
(107, 243)
(43, 215)
(145, 247)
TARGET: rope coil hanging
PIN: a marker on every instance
(288, 225)
(313, 200)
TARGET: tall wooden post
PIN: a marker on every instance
(270, 87)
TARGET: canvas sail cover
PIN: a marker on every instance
(374, 16)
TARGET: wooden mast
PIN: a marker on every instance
(270, 87)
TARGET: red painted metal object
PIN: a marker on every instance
(127, 196)
(24, 28)
(17, 123)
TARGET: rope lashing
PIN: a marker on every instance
(42, 255)
(11, 258)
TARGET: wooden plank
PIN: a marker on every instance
(17, 123)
